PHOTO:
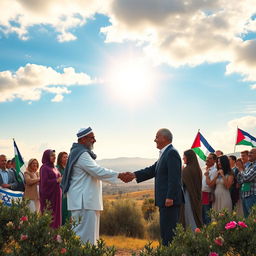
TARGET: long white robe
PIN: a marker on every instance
(84, 196)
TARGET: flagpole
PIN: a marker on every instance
(235, 139)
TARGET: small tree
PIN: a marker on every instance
(122, 217)
(148, 208)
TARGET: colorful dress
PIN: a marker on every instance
(49, 189)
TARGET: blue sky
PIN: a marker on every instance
(203, 85)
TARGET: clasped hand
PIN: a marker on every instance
(126, 176)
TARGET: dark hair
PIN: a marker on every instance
(245, 152)
(240, 160)
(191, 157)
(225, 165)
(59, 158)
(214, 156)
(221, 152)
(233, 157)
(9, 161)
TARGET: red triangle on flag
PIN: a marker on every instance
(196, 143)
(240, 136)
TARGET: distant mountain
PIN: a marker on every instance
(126, 164)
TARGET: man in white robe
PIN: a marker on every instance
(83, 177)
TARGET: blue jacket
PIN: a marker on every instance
(167, 173)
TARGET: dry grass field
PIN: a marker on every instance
(138, 196)
(126, 245)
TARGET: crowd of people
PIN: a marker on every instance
(227, 183)
(72, 186)
(40, 187)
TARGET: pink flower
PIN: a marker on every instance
(230, 225)
(213, 254)
(197, 230)
(23, 237)
(24, 218)
(219, 241)
(58, 238)
(242, 224)
(63, 250)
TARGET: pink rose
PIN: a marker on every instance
(63, 250)
(58, 238)
(24, 218)
(242, 224)
(219, 241)
(213, 254)
(230, 225)
(23, 237)
(198, 230)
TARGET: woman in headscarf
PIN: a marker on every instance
(191, 211)
(61, 164)
(32, 179)
(49, 187)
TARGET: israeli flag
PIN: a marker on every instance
(7, 195)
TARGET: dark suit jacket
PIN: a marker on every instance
(167, 173)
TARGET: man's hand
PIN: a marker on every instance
(168, 202)
(6, 185)
(126, 176)
(206, 173)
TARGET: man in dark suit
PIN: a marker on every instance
(168, 188)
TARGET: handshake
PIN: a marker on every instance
(126, 176)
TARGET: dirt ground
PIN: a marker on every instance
(124, 252)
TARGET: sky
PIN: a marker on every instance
(126, 68)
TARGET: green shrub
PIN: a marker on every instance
(122, 217)
(228, 234)
(148, 208)
(153, 227)
(24, 233)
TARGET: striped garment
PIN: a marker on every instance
(248, 176)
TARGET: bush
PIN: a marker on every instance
(122, 217)
(24, 233)
(148, 208)
(153, 227)
(227, 234)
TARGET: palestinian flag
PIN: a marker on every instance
(20, 166)
(244, 138)
(201, 147)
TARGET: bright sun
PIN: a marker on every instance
(131, 81)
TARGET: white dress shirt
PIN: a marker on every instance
(212, 174)
(163, 149)
(85, 191)
(5, 176)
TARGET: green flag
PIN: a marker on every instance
(18, 161)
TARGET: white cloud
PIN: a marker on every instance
(175, 32)
(245, 123)
(188, 32)
(58, 98)
(28, 82)
(225, 139)
(63, 15)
